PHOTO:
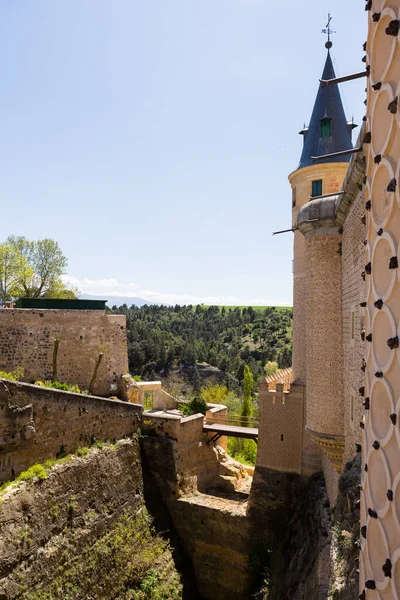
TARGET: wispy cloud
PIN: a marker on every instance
(112, 287)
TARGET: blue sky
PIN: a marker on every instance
(153, 139)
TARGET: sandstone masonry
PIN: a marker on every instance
(40, 423)
(28, 338)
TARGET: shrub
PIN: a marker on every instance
(214, 394)
(57, 385)
(271, 368)
(36, 470)
(194, 406)
(15, 375)
(149, 582)
(185, 408)
(82, 451)
(244, 451)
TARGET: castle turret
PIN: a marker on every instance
(317, 330)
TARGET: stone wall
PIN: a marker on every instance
(353, 262)
(197, 465)
(38, 423)
(324, 383)
(281, 428)
(27, 338)
(205, 492)
(289, 519)
(84, 533)
(324, 335)
(216, 534)
(380, 496)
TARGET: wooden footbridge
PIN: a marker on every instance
(239, 427)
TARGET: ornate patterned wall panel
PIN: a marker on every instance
(380, 493)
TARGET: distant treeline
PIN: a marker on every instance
(162, 337)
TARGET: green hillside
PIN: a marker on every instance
(165, 339)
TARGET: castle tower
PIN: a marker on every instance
(317, 337)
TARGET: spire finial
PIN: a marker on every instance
(329, 32)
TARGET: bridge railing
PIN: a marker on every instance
(235, 420)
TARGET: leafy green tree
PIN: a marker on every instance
(248, 382)
(38, 268)
(271, 368)
(196, 381)
(214, 394)
(12, 266)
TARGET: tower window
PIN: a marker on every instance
(316, 188)
(325, 128)
(293, 197)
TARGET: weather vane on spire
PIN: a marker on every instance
(328, 31)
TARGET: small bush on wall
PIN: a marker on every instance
(196, 405)
(57, 385)
(15, 375)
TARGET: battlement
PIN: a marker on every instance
(284, 376)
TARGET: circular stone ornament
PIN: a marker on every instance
(379, 483)
(381, 199)
(383, 279)
(377, 552)
(382, 48)
(383, 122)
(381, 407)
(383, 328)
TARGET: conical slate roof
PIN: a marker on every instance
(328, 105)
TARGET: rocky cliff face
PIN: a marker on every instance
(346, 534)
(290, 519)
(84, 533)
(306, 550)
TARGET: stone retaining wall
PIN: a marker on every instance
(39, 423)
(27, 339)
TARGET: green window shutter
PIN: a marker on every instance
(316, 188)
(325, 128)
